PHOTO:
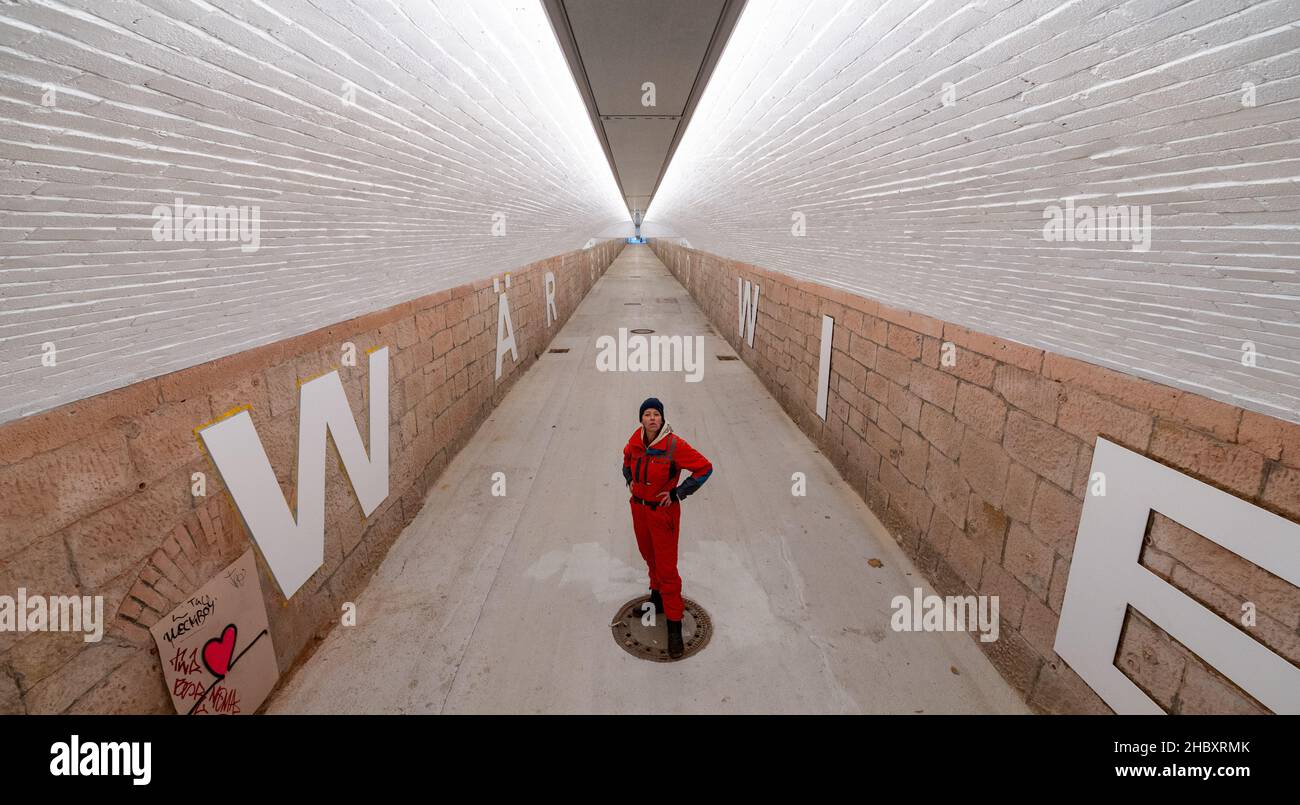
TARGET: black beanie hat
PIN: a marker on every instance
(651, 402)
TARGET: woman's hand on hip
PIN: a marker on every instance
(665, 498)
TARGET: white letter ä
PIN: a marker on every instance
(295, 550)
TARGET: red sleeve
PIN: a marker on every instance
(688, 458)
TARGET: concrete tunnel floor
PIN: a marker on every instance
(503, 604)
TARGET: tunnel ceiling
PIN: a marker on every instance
(912, 153)
(614, 47)
(903, 151)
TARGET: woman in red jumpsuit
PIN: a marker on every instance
(652, 460)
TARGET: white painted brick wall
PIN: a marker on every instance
(834, 109)
(462, 110)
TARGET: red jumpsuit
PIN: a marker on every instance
(651, 470)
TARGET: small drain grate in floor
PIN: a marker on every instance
(728, 358)
(651, 642)
(558, 350)
(641, 331)
(631, 303)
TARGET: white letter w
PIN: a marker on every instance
(295, 550)
(748, 308)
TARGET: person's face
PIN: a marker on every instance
(652, 420)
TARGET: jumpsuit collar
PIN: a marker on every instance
(663, 431)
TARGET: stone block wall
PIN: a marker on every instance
(96, 495)
(979, 469)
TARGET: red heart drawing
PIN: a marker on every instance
(218, 651)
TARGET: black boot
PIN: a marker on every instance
(675, 646)
(638, 609)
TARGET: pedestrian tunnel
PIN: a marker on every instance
(431, 357)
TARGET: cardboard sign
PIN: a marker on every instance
(216, 647)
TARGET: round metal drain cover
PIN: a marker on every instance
(651, 642)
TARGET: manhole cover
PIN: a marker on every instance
(641, 331)
(651, 642)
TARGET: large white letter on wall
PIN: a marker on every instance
(295, 550)
(748, 308)
(505, 333)
(1105, 578)
(549, 284)
(824, 366)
